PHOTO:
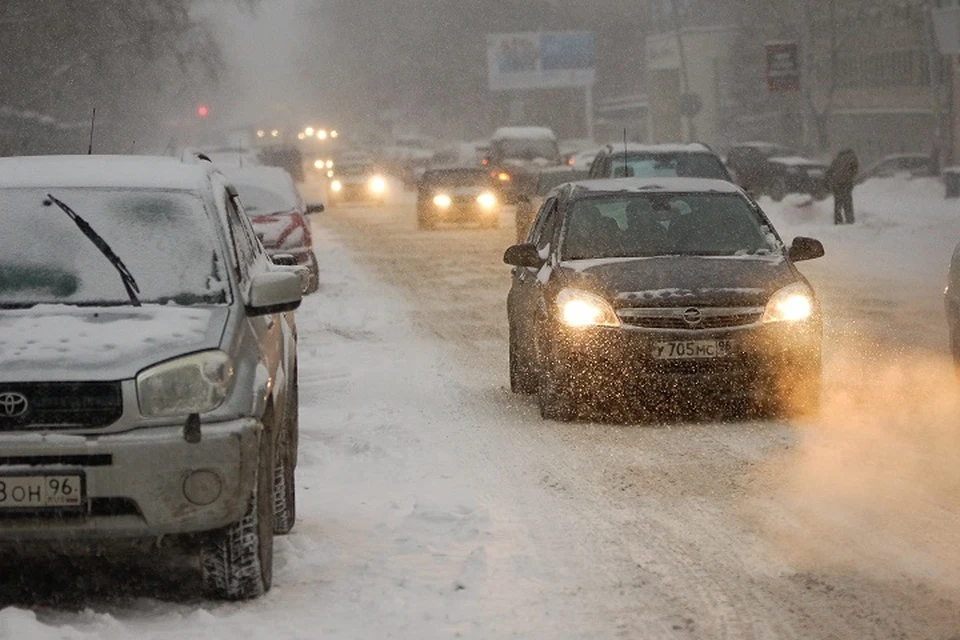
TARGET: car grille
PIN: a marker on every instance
(60, 405)
(673, 319)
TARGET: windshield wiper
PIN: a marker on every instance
(129, 282)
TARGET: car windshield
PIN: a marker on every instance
(662, 224)
(259, 201)
(455, 179)
(527, 149)
(661, 165)
(164, 238)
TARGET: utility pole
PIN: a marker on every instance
(684, 74)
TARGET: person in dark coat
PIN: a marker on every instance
(841, 177)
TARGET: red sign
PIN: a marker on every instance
(783, 66)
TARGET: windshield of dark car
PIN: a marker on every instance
(258, 201)
(527, 149)
(639, 225)
(455, 179)
(165, 238)
(660, 165)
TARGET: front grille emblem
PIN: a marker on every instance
(693, 316)
(13, 404)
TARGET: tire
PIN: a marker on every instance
(237, 562)
(555, 394)
(778, 190)
(523, 379)
(285, 480)
(315, 273)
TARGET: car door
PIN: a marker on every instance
(526, 288)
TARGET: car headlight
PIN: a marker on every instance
(336, 185)
(378, 184)
(329, 164)
(319, 164)
(503, 176)
(793, 303)
(487, 200)
(442, 200)
(582, 309)
(196, 383)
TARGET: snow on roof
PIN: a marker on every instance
(691, 147)
(795, 161)
(524, 133)
(270, 178)
(656, 185)
(116, 172)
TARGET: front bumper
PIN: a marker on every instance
(135, 481)
(617, 360)
(357, 192)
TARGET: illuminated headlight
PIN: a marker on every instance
(793, 303)
(442, 200)
(378, 184)
(582, 309)
(336, 185)
(319, 164)
(329, 164)
(330, 173)
(503, 176)
(196, 383)
(487, 200)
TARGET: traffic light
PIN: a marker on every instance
(203, 111)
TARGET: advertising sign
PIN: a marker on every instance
(544, 60)
(783, 66)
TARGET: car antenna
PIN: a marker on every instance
(625, 169)
(93, 122)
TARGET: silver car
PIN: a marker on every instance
(149, 382)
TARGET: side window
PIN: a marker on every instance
(534, 236)
(548, 232)
(243, 244)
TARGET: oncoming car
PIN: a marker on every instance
(149, 378)
(457, 195)
(643, 290)
(358, 182)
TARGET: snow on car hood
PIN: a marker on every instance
(61, 343)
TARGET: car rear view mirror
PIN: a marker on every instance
(274, 292)
(283, 260)
(316, 207)
(523, 255)
(805, 249)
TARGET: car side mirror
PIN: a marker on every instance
(283, 260)
(316, 207)
(805, 249)
(524, 255)
(274, 292)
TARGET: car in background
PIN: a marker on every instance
(908, 165)
(952, 298)
(583, 160)
(644, 290)
(547, 181)
(749, 165)
(457, 195)
(287, 157)
(357, 180)
(279, 216)
(794, 174)
(516, 157)
(693, 160)
(149, 378)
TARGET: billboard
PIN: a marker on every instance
(783, 66)
(541, 60)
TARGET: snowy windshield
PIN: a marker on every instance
(665, 224)
(164, 238)
(258, 201)
(522, 149)
(680, 165)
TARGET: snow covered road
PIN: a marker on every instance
(435, 504)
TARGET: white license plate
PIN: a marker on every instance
(692, 349)
(38, 492)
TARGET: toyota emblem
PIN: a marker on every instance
(13, 404)
(693, 316)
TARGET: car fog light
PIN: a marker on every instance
(202, 487)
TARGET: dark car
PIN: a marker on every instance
(748, 162)
(547, 181)
(457, 194)
(795, 174)
(953, 307)
(516, 157)
(911, 165)
(693, 160)
(638, 290)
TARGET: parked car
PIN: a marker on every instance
(795, 174)
(458, 195)
(516, 157)
(910, 165)
(279, 215)
(749, 166)
(149, 379)
(357, 181)
(547, 181)
(952, 297)
(658, 160)
(639, 289)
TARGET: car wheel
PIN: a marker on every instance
(285, 481)
(555, 393)
(778, 190)
(523, 378)
(237, 562)
(314, 274)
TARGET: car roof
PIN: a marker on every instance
(671, 147)
(272, 178)
(654, 185)
(524, 133)
(100, 171)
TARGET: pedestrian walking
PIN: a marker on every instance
(841, 177)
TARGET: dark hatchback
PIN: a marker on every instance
(641, 290)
